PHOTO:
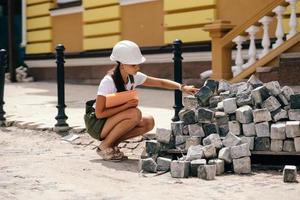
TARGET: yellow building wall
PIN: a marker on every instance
(72, 37)
(39, 27)
(105, 22)
(185, 19)
(101, 24)
(143, 23)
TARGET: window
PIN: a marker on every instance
(68, 3)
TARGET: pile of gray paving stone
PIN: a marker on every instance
(21, 75)
(221, 124)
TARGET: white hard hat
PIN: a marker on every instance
(127, 52)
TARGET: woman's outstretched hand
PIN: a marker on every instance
(189, 89)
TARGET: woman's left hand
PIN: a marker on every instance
(189, 89)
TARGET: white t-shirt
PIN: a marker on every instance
(107, 85)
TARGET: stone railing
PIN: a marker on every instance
(225, 36)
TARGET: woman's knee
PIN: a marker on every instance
(135, 114)
(149, 123)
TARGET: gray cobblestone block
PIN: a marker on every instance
(297, 143)
(180, 141)
(287, 92)
(205, 115)
(226, 94)
(262, 144)
(212, 84)
(249, 141)
(163, 164)
(273, 87)
(229, 105)
(276, 145)
(225, 154)
(187, 116)
(279, 114)
(192, 141)
(221, 118)
(290, 174)
(196, 130)
(231, 140)
(289, 146)
(147, 165)
(249, 129)
(214, 100)
(295, 101)
(244, 99)
(190, 102)
(262, 129)
(213, 139)
(210, 129)
(223, 130)
(240, 151)
(234, 88)
(220, 106)
(261, 115)
(209, 151)
(195, 152)
(223, 86)
(234, 127)
(242, 165)
(260, 94)
(294, 114)
(220, 165)
(152, 147)
(203, 95)
(163, 135)
(282, 100)
(180, 169)
(177, 127)
(254, 81)
(244, 114)
(166, 147)
(195, 165)
(292, 129)
(278, 131)
(271, 104)
(185, 130)
(244, 89)
(207, 172)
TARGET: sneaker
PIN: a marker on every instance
(108, 154)
(119, 153)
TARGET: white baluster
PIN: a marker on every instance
(279, 10)
(239, 58)
(293, 19)
(266, 38)
(252, 30)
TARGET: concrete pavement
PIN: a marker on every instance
(33, 105)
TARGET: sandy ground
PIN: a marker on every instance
(40, 165)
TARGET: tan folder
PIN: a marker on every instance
(119, 98)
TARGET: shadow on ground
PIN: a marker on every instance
(130, 165)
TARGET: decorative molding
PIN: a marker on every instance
(66, 11)
(129, 2)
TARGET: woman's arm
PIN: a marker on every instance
(168, 84)
(102, 112)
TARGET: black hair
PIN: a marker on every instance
(117, 77)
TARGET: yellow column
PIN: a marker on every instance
(221, 56)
